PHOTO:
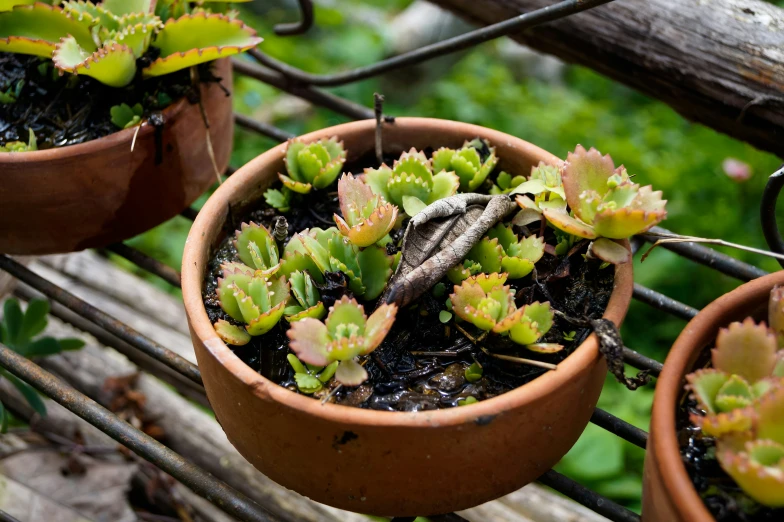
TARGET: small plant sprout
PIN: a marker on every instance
(546, 186)
(125, 116)
(500, 251)
(313, 165)
(505, 183)
(488, 304)
(278, 199)
(305, 300)
(410, 184)
(20, 146)
(474, 372)
(254, 298)
(755, 458)
(310, 378)
(366, 218)
(105, 40)
(257, 248)
(467, 163)
(746, 363)
(605, 205)
(367, 269)
(346, 334)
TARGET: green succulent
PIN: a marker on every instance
(124, 116)
(305, 300)
(506, 183)
(313, 165)
(345, 334)
(105, 40)
(366, 218)
(309, 377)
(251, 297)
(467, 163)
(278, 199)
(20, 146)
(410, 184)
(500, 251)
(257, 248)
(368, 269)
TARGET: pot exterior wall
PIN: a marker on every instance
(101, 192)
(390, 463)
(668, 493)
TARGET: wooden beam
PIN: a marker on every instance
(716, 62)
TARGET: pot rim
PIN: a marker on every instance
(196, 255)
(669, 387)
(99, 144)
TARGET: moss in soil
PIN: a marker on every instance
(67, 110)
(724, 499)
(435, 377)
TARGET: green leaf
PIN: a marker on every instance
(12, 321)
(34, 320)
(7, 5)
(277, 199)
(42, 347)
(70, 343)
(113, 64)
(307, 383)
(36, 29)
(124, 7)
(29, 394)
(474, 372)
(296, 364)
(199, 38)
(597, 454)
(413, 205)
(467, 401)
(444, 316)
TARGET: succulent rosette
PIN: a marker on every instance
(346, 334)
(366, 217)
(467, 163)
(313, 165)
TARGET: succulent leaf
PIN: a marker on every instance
(366, 219)
(758, 470)
(466, 163)
(519, 255)
(351, 373)
(257, 248)
(536, 321)
(609, 251)
(113, 64)
(566, 223)
(199, 38)
(231, 334)
(36, 29)
(745, 349)
(705, 385)
(312, 165)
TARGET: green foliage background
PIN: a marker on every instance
(655, 143)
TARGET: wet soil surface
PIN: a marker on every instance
(66, 110)
(722, 496)
(434, 377)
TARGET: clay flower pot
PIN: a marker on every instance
(668, 493)
(389, 463)
(100, 192)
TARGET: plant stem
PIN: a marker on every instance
(520, 360)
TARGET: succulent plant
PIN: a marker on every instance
(251, 297)
(368, 269)
(124, 116)
(505, 183)
(105, 40)
(488, 304)
(745, 363)
(305, 300)
(278, 199)
(410, 184)
(257, 248)
(500, 251)
(467, 163)
(313, 165)
(20, 146)
(603, 200)
(311, 378)
(345, 334)
(366, 218)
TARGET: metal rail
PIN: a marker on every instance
(172, 368)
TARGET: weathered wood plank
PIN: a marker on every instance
(716, 62)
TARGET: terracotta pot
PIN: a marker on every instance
(668, 493)
(99, 192)
(389, 463)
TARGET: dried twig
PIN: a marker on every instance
(520, 360)
(676, 238)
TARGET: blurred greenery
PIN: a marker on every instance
(655, 143)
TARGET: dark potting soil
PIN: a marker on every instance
(434, 377)
(722, 496)
(66, 110)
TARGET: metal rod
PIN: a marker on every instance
(202, 483)
(641, 362)
(709, 257)
(306, 20)
(318, 97)
(146, 262)
(768, 212)
(102, 319)
(262, 128)
(664, 303)
(602, 505)
(619, 427)
(451, 45)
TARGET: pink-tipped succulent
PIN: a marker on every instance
(313, 165)
(500, 251)
(346, 334)
(488, 304)
(250, 297)
(257, 248)
(467, 163)
(366, 217)
(755, 458)
(411, 183)
(546, 186)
